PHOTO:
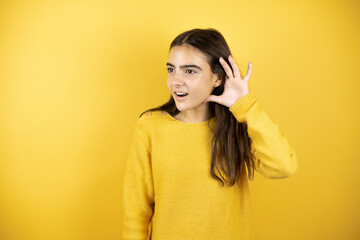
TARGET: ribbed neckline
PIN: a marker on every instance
(204, 123)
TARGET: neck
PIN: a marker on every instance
(200, 114)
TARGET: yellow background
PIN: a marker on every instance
(75, 75)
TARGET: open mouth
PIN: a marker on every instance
(180, 95)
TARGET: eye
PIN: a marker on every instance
(170, 70)
(190, 71)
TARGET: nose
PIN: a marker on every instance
(177, 80)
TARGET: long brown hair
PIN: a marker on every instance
(231, 142)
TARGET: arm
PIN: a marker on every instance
(138, 190)
(273, 155)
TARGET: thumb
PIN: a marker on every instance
(212, 98)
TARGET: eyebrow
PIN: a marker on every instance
(185, 66)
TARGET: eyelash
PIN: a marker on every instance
(188, 71)
(192, 71)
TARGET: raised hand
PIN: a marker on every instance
(235, 87)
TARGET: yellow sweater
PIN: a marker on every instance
(168, 192)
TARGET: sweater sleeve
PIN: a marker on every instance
(273, 155)
(138, 190)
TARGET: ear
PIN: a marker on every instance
(217, 81)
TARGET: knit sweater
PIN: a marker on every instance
(168, 192)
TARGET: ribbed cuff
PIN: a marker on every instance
(243, 103)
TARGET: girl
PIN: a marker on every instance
(187, 154)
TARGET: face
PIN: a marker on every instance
(190, 79)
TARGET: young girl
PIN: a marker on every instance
(187, 154)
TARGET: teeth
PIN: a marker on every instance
(180, 93)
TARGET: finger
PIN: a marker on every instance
(248, 73)
(234, 67)
(226, 67)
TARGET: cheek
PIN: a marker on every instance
(203, 90)
(207, 86)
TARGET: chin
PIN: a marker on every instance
(183, 106)
(180, 107)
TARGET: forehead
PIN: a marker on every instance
(187, 54)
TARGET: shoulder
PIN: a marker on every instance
(152, 116)
(151, 119)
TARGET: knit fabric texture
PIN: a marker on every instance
(168, 192)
